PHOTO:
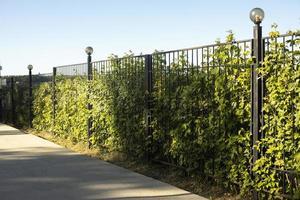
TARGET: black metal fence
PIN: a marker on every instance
(213, 88)
(15, 98)
(174, 71)
(284, 52)
(163, 76)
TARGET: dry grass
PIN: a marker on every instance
(161, 172)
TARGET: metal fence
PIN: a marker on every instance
(164, 73)
(160, 78)
(288, 46)
(176, 69)
(15, 98)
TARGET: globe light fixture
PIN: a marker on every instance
(257, 15)
(29, 67)
(89, 50)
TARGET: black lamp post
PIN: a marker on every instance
(257, 83)
(30, 67)
(89, 51)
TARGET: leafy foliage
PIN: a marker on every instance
(15, 98)
(201, 113)
(42, 107)
(281, 130)
(118, 106)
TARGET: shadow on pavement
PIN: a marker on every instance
(58, 174)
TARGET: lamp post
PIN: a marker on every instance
(30, 67)
(89, 51)
(257, 84)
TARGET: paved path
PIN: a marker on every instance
(32, 168)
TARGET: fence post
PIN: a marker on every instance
(13, 113)
(256, 94)
(89, 51)
(53, 96)
(149, 103)
(30, 96)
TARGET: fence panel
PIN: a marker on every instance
(201, 98)
(279, 141)
(15, 98)
(68, 96)
(118, 101)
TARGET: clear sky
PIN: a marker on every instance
(47, 33)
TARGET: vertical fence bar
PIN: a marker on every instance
(256, 95)
(89, 106)
(53, 95)
(13, 109)
(149, 102)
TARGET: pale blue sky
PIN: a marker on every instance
(47, 33)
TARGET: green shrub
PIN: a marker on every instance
(201, 115)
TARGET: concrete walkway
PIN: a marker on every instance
(32, 168)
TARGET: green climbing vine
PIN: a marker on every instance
(281, 141)
(201, 113)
